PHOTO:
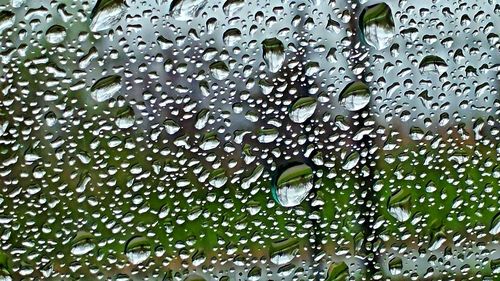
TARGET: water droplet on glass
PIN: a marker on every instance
(302, 109)
(106, 14)
(7, 20)
(137, 250)
(219, 70)
(433, 64)
(355, 96)
(82, 243)
(377, 26)
(105, 88)
(186, 9)
(283, 252)
(55, 34)
(337, 272)
(274, 54)
(292, 185)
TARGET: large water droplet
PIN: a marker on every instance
(274, 54)
(105, 88)
(82, 243)
(186, 9)
(219, 70)
(377, 26)
(106, 14)
(433, 64)
(137, 250)
(7, 20)
(399, 205)
(302, 109)
(293, 184)
(337, 272)
(283, 252)
(355, 96)
(231, 36)
(55, 34)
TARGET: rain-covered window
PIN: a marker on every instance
(249, 140)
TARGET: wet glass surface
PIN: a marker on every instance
(249, 140)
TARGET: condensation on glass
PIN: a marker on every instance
(249, 140)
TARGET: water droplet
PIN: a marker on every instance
(186, 9)
(292, 185)
(105, 88)
(355, 96)
(399, 205)
(274, 54)
(82, 243)
(377, 25)
(433, 64)
(337, 272)
(106, 14)
(302, 109)
(55, 34)
(283, 252)
(137, 250)
(7, 20)
(219, 70)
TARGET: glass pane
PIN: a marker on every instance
(249, 140)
